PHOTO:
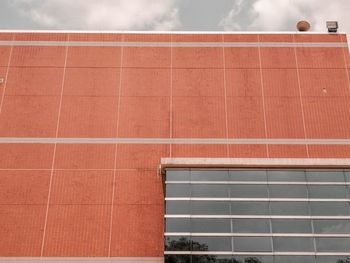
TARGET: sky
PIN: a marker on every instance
(172, 15)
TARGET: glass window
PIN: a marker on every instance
(212, 244)
(288, 191)
(209, 175)
(249, 208)
(177, 243)
(178, 190)
(177, 207)
(253, 259)
(249, 191)
(294, 259)
(177, 175)
(252, 244)
(286, 176)
(327, 191)
(248, 175)
(177, 259)
(209, 190)
(211, 225)
(210, 208)
(177, 225)
(289, 208)
(329, 208)
(211, 259)
(332, 226)
(291, 226)
(324, 244)
(347, 176)
(293, 244)
(325, 176)
(332, 259)
(251, 226)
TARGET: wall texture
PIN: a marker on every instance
(65, 191)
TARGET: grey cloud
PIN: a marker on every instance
(100, 15)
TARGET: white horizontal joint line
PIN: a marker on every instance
(172, 44)
(214, 141)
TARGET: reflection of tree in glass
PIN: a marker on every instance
(184, 244)
(247, 260)
(346, 260)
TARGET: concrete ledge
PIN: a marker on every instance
(252, 163)
(82, 259)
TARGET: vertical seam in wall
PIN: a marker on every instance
(6, 75)
(345, 63)
(54, 150)
(116, 148)
(263, 97)
(225, 94)
(300, 97)
(171, 97)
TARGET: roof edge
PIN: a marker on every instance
(166, 32)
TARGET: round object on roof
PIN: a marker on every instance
(303, 26)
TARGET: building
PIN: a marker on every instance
(248, 134)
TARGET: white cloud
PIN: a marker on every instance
(274, 15)
(101, 14)
(231, 22)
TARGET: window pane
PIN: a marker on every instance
(327, 191)
(329, 208)
(210, 208)
(289, 208)
(325, 176)
(295, 244)
(291, 226)
(177, 243)
(177, 259)
(178, 190)
(332, 226)
(211, 243)
(288, 191)
(289, 176)
(209, 175)
(332, 259)
(177, 225)
(246, 175)
(333, 244)
(253, 259)
(177, 207)
(251, 226)
(252, 244)
(294, 259)
(347, 176)
(211, 225)
(177, 175)
(249, 191)
(249, 208)
(210, 190)
(211, 259)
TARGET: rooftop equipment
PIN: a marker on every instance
(332, 26)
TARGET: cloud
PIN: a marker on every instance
(101, 15)
(282, 15)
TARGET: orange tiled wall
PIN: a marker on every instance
(106, 200)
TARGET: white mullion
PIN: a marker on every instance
(204, 199)
(259, 217)
(256, 183)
